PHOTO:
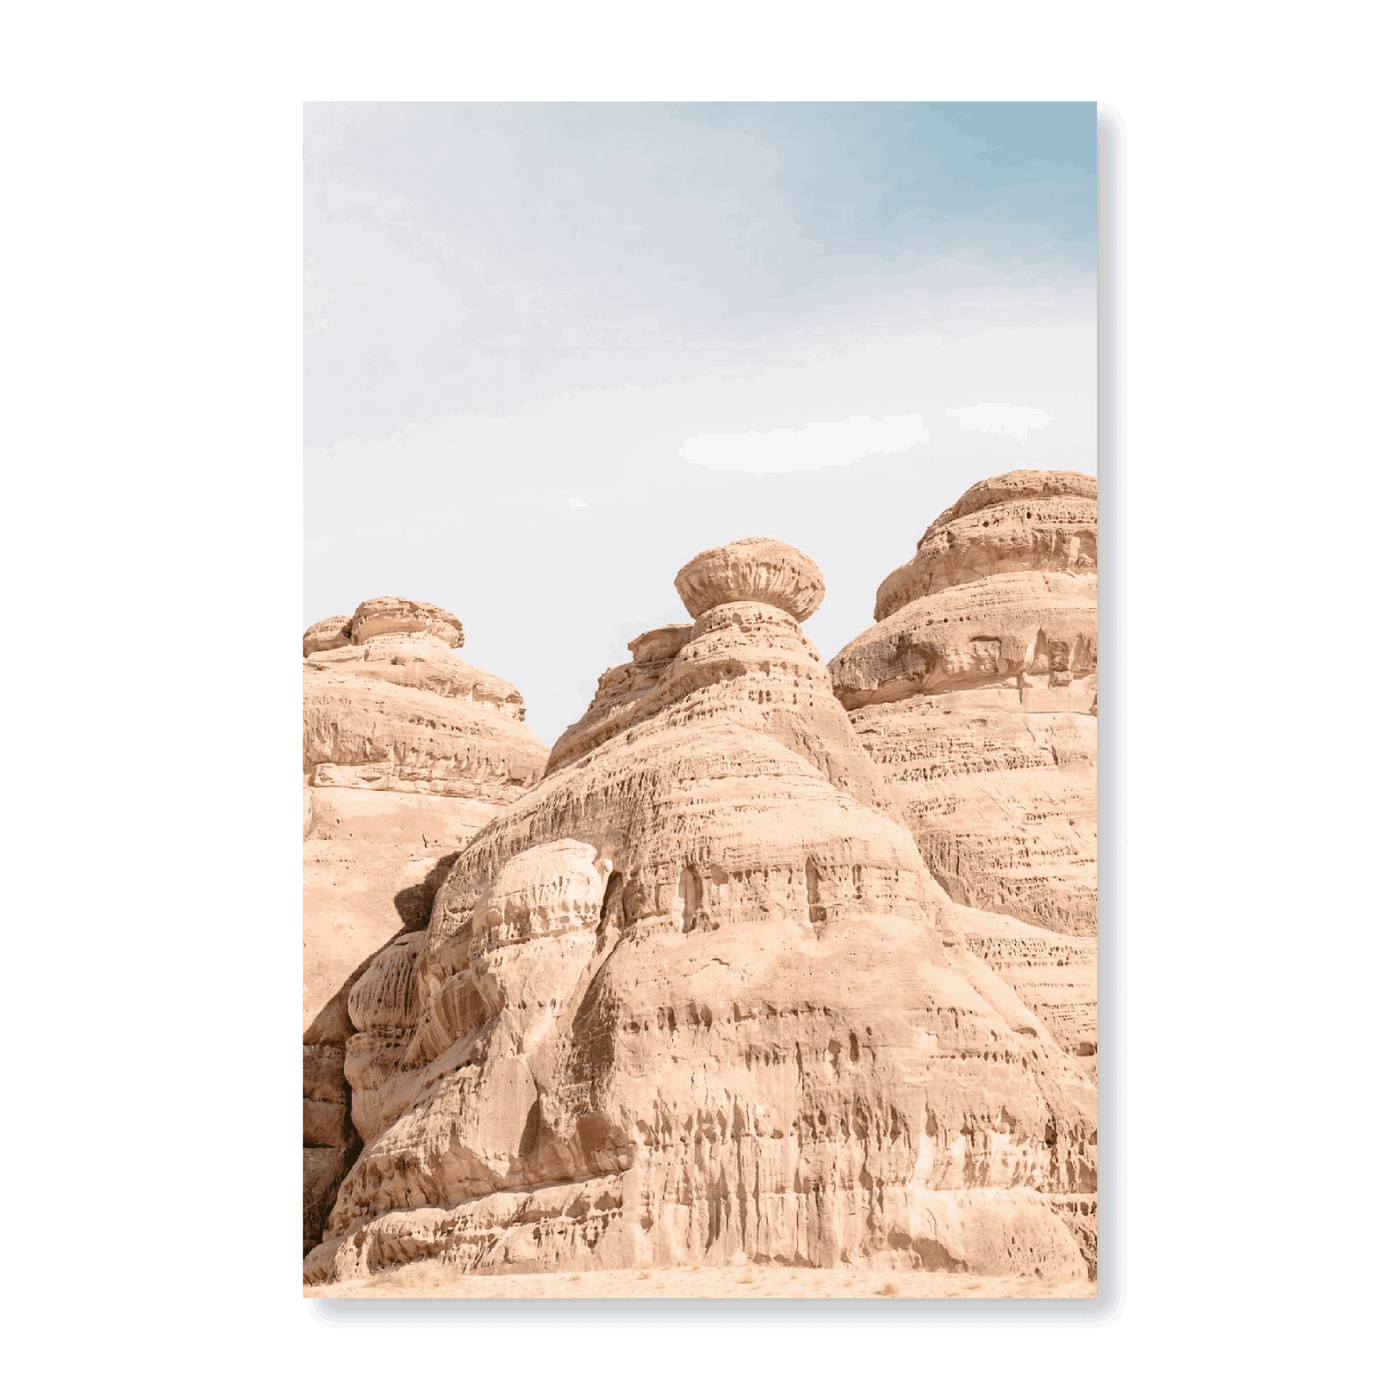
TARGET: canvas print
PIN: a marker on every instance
(700, 700)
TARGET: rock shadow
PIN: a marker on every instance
(415, 904)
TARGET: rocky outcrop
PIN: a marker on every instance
(407, 752)
(402, 617)
(681, 675)
(327, 635)
(755, 571)
(1021, 522)
(695, 997)
(976, 695)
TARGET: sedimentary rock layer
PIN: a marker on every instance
(1002, 799)
(976, 695)
(408, 751)
(402, 617)
(1032, 631)
(1045, 522)
(326, 635)
(740, 657)
(695, 997)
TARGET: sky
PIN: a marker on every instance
(552, 351)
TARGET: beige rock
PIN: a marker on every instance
(404, 617)
(406, 754)
(976, 693)
(1003, 801)
(1053, 974)
(696, 997)
(408, 751)
(1045, 522)
(1017, 486)
(1036, 631)
(326, 635)
(661, 643)
(752, 571)
(387, 735)
(421, 662)
(744, 657)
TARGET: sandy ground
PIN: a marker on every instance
(431, 1280)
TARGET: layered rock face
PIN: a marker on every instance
(407, 752)
(976, 695)
(695, 998)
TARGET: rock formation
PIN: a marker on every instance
(976, 694)
(407, 752)
(695, 997)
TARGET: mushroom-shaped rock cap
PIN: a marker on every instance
(326, 635)
(752, 571)
(402, 615)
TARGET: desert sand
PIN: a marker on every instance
(433, 1280)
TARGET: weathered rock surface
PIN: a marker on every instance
(326, 635)
(1034, 634)
(741, 657)
(403, 617)
(976, 694)
(1046, 522)
(408, 751)
(752, 571)
(695, 996)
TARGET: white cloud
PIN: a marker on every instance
(804, 449)
(1008, 419)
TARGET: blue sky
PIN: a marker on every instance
(519, 315)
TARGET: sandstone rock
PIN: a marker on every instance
(421, 662)
(695, 996)
(403, 617)
(1002, 799)
(1037, 631)
(661, 643)
(1016, 486)
(1081, 1214)
(1052, 974)
(752, 571)
(402, 763)
(1045, 522)
(388, 735)
(748, 658)
(326, 635)
(407, 752)
(976, 693)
